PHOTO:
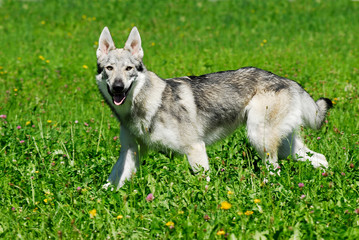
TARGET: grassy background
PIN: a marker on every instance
(58, 141)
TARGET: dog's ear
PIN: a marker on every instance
(105, 43)
(133, 44)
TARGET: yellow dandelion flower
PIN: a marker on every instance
(15, 89)
(85, 66)
(225, 205)
(170, 224)
(45, 200)
(153, 44)
(262, 44)
(96, 43)
(43, 22)
(93, 213)
(28, 123)
(221, 232)
(84, 16)
(35, 209)
(257, 201)
(47, 61)
(265, 41)
(248, 213)
(230, 192)
(41, 58)
(19, 58)
(49, 121)
(180, 212)
(93, 18)
(119, 217)
(36, 171)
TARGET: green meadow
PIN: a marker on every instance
(59, 140)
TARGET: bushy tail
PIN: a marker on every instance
(314, 115)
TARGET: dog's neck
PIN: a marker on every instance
(146, 100)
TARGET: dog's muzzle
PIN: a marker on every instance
(118, 93)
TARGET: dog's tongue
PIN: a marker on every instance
(119, 99)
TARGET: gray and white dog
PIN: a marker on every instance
(185, 114)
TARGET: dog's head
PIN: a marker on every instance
(120, 68)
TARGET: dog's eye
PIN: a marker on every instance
(128, 68)
(110, 68)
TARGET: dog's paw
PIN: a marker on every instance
(319, 161)
(265, 181)
(107, 185)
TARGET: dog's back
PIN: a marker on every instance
(222, 99)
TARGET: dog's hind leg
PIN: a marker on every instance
(270, 118)
(197, 157)
(264, 137)
(266, 143)
(128, 161)
(293, 145)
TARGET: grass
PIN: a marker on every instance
(58, 140)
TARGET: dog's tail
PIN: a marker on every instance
(314, 112)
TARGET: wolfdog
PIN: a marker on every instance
(185, 114)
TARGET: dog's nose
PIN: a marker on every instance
(118, 87)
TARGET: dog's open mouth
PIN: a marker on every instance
(119, 98)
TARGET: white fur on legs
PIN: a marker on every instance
(264, 139)
(197, 157)
(294, 146)
(128, 161)
(269, 118)
(304, 153)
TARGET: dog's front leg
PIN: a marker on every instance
(197, 157)
(128, 161)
